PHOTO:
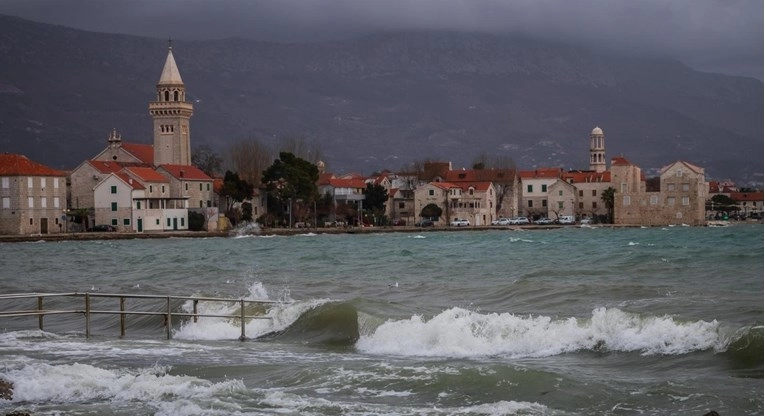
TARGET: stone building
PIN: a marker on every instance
(472, 201)
(32, 197)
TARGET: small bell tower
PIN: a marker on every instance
(597, 150)
(171, 113)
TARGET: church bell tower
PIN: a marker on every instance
(171, 113)
(597, 150)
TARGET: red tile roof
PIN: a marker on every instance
(746, 196)
(144, 152)
(445, 185)
(129, 181)
(147, 174)
(19, 165)
(586, 176)
(481, 175)
(620, 161)
(541, 173)
(188, 172)
(106, 167)
(348, 183)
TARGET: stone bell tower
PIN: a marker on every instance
(171, 113)
(597, 150)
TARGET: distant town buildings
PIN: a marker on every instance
(133, 187)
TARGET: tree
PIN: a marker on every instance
(235, 190)
(249, 158)
(208, 161)
(607, 196)
(722, 203)
(290, 180)
(431, 211)
(375, 197)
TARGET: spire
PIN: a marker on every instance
(170, 74)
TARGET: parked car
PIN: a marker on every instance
(460, 223)
(586, 221)
(423, 223)
(566, 219)
(398, 222)
(103, 228)
(543, 221)
(502, 221)
(519, 221)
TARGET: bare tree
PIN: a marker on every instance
(249, 158)
(298, 146)
(493, 161)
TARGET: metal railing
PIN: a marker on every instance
(88, 311)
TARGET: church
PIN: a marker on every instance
(148, 187)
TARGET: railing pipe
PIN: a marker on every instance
(168, 320)
(40, 309)
(241, 313)
(122, 316)
(87, 315)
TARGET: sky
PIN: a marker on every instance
(723, 36)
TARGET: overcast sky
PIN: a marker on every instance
(718, 35)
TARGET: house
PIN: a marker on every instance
(506, 183)
(32, 197)
(472, 201)
(534, 188)
(590, 186)
(749, 203)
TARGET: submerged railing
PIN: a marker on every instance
(88, 311)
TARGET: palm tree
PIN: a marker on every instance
(607, 196)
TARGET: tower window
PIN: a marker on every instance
(167, 95)
(175, 96)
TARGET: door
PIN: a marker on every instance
(43, 226)
(140, 225)
(175, 224)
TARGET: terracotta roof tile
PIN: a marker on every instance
(541, 173)
(129, 181)
(19, 165)
(144, 152)
(746, 196)
(147, 174)
(188, 172)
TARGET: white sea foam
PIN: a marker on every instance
(459, 332)
(277, 317)
(39, 382)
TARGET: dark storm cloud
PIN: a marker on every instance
(709, 33)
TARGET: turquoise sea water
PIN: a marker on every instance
(571, 321)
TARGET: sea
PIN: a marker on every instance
(564, 321)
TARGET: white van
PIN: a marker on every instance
(566, 219)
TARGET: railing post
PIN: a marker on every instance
(241, 308)
(168, 320)
(196, 301)
(122, 316)
(87, 315)
(39, 309)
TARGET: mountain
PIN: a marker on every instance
(379, 101)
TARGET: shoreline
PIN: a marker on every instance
(86, 236)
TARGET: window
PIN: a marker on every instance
(186, 185)
(137, 204)
(42, 183)
(560, 193)
(114, 189)
(529, 188)
(544, 202)
(31, 202)
(183, 222)
(126, 222)
(581, 193)
(401, 205)
(6, 183)
(55, 183)
(671, 187)
(581, 205)
(200, 186)
(209, 204)
(624, 188)
(208, 186)
(43, 202)
(671, 201)
(626, 200)
(594, 205)
(114, 206)
(156, 221)
(29, 182)
(560, 204)
(431, 192)
(686, 187)
(115, 222)
(594, 193)
(163, 189)
(686, 200)
(544, 188)
(679, 173)
(168, 222)
(531, 204)
(6, 202)
(654, 199)
(151, 188)
(201, 204)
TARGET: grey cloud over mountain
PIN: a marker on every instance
(720, 35)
